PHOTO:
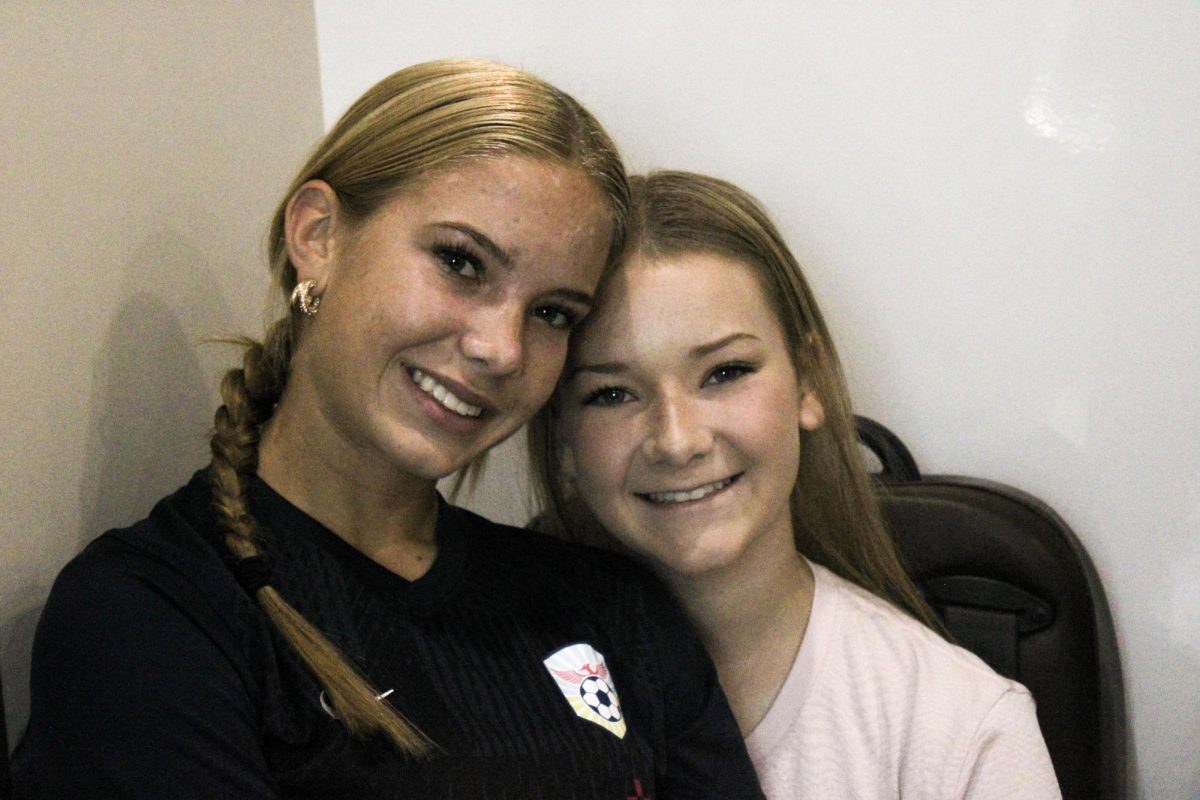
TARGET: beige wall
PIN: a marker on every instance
(144, 146)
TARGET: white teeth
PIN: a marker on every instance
(693, 494)
(444, 395)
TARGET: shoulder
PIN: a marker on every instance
(944, 715)
(900, 650)
(143, 642)
(162, 568)
(174, 546)
(548, 577)
(555, 562)
(1007, 756)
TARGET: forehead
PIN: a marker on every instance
(677, 301)
(509, 184)
(549, 216)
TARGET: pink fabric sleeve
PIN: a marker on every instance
(1008, 757)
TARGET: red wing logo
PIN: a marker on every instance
(577, 676)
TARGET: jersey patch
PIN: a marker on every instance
(582, 676)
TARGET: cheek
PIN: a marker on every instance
(600, 454)
(782, 446)
(388, 314)
(774, 433)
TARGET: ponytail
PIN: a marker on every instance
(250, 394)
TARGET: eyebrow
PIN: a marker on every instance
(699, 351)
(607, 368)
(724, 341)
(494, 250)
(505, 258)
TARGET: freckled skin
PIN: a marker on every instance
(410, 289)
(670, 417)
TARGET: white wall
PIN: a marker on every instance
(144, 146)
(998, 205)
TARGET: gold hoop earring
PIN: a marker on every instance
(302, 295)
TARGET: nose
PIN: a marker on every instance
(494, 338)
(678, 433)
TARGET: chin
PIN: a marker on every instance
(429, 467)
(429, 459)
(698, 559)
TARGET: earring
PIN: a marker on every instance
(302, 294)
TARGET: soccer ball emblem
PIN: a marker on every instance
(582, 676)
(600, 697)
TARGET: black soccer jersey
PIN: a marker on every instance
(538, 668)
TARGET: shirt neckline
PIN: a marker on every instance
(793, 694)
(281, 517)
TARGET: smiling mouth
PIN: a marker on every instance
(699, 493)
(443, 395)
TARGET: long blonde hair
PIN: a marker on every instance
(420, 118)
(835, 515)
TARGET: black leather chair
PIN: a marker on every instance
(5, 778)
(1013, 584)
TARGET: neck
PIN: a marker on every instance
(751, 617)
(388, 516)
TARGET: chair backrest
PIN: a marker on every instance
(1014, 585)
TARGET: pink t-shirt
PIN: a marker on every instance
(878, 706)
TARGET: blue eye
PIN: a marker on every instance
(557, 317)
(459, 261)
(728, 372)
(607, 396)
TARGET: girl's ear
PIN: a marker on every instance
(309, 228)
(811, 414)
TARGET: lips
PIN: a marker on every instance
(689, 495)
(439, 392)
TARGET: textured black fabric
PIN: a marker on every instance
(156, 676)
(251, 573)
